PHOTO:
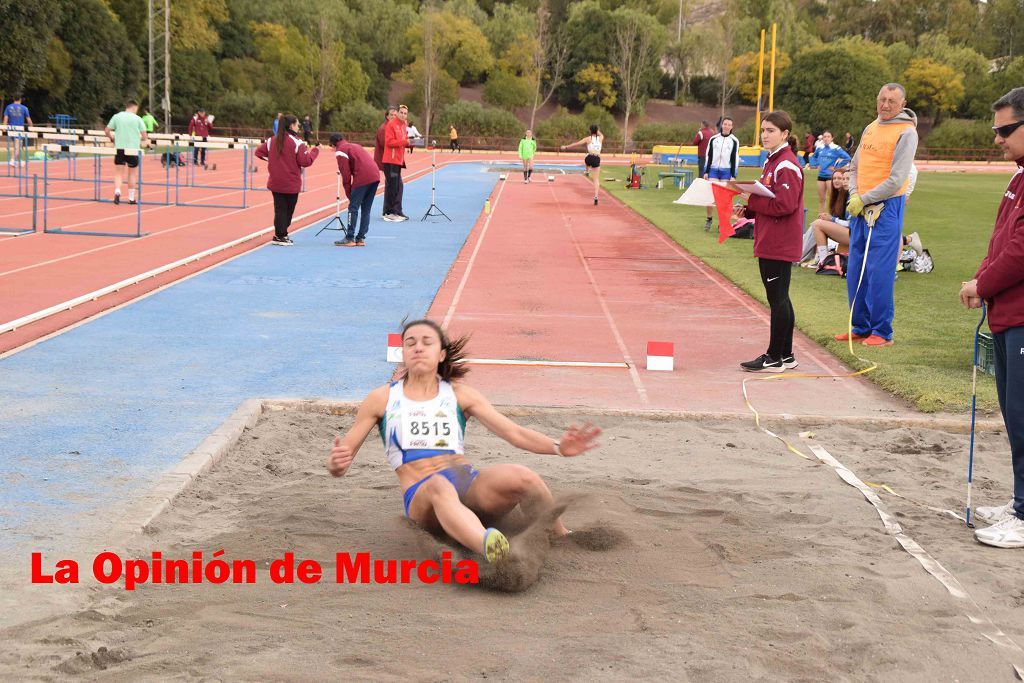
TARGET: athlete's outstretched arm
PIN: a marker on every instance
(575, 441)
(345, 448)
(578, 142)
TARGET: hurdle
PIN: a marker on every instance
(190, 174)
(94, 171)
(30, 199)
(97, 152)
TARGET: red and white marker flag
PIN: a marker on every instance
(394, 348)
(660, 355)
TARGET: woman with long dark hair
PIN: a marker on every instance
(286, 155)
(594, 143)
(422, 422)
(835, 223)
(778, 237)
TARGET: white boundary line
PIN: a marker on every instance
(623, 349)
(545, 363)
(974, 612)
(472, 259)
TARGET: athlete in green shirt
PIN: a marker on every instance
(127, 131)
(150, 122)
(527, 148)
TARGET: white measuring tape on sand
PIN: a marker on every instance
(930, 564)
(868, 490)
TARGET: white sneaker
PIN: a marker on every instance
(1008, 533)
(914, 242)
(391, 218)
(993, 514)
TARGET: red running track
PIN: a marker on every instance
(550, 276)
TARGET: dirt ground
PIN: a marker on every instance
(702, 550)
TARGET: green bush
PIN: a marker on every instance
(649, 134)
(563, 127)
(357, 117)
(255, 108)
(961, 134)
(507, 90)
(473, 120)
(706, 89)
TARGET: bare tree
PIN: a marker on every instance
(638, 49)
(324, 66)
(549, 57)
(721, 57)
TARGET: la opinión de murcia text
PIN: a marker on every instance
(110, 568)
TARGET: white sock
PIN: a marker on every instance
(131, 195)
(118, 192)
(820, 254)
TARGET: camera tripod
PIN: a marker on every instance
(434, 210)
(337, 213)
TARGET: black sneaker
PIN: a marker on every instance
(117, 197)
(347, 242)
(132, 201)
(763, 363)
(707, 225)
(282, 241)
(790, 362)
(595, 201)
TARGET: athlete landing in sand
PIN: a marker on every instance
(422, 421)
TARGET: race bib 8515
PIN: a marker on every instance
(422, 428)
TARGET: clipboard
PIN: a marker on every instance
(754, 188)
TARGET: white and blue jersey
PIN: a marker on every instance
(412, 430)
(828, 156)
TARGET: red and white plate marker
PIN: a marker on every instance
(394, 348)
(660, 355)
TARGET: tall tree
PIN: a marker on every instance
(27, 29)
(833, 86)
(549, 58)
(640, 40)
(106, 67)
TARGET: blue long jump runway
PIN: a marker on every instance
(93, 416)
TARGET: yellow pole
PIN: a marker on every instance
(771, 79)
(760, 88)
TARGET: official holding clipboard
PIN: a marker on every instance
(776, 203)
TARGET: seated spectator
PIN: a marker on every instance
(834, 223)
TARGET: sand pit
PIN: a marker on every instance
(702, 550)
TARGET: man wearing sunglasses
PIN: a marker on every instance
(879, 176)
(999, 282)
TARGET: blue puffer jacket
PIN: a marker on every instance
(828, 156)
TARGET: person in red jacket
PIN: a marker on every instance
(286, 155)
(378, 151)
(778, 237)
(1000, 283)
(199, 127)
(396, 139)
(360, 178)
(701, 139)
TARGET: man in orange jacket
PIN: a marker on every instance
(396, 139)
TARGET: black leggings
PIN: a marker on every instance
(284, 207)
(776, 275)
